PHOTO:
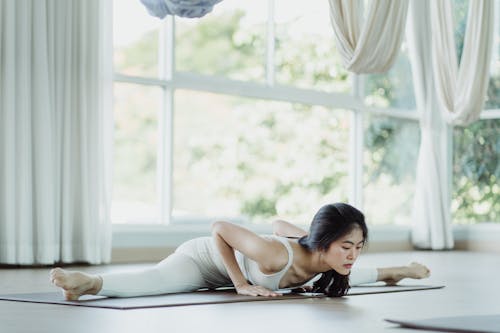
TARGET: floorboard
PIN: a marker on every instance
(470, 280)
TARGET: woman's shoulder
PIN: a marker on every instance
(281, 241)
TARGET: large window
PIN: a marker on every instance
(390, 144)
(247, 158)
(248, 114)
(236, 106)
(390, 157)
(135, 153)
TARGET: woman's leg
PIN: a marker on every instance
(176, 273)
(392, 275)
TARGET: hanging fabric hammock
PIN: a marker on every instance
(182, 8)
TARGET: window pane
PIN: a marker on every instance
(306, 55)
(393, 89)
(135, 150)
(460, 11)
(476, 172)
(135, 35)
(493, 96)
(391, 149)
(247, 159)
(230, 41)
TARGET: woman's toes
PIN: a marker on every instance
(56, 277)
(69, 296)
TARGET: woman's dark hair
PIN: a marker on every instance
(329, 224)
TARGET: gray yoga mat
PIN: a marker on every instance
(194, 298)
(477, 324)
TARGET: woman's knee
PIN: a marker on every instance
(181, 270)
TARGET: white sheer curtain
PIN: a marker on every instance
(462, 89)
(55, 131)
(372, 46)
(445, 95)
(431, 210)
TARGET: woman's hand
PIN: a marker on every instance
(251, 290)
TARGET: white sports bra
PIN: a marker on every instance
(253, 274)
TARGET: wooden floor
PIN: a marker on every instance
(471, 279)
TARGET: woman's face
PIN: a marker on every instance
(343, 252)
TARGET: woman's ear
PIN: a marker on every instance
(322, 252)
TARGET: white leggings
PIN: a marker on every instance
(181, 273)
(176, 273)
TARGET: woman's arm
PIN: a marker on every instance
(287, 229)
(229, 237)
(390, 275)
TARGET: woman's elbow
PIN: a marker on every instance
(277, 226)
(218, 226)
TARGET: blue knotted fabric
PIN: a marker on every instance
(182, 8)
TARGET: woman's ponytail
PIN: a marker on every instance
(332, 284)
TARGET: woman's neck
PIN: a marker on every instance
(309, 263)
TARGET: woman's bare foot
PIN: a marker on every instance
(417, 271)
(75, 284)
(393, 275)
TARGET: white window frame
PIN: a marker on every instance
(169, 80)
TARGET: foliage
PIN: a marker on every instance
(219, 45)
(476, 170)
(258, 160)
(141, 58)
(392, 89)
(267, 124)
(391, 143)
(294, 65)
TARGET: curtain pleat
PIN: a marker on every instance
(445, 94)
(54, 122)
(462, 88)
(371, 46)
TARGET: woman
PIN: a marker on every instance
(255, 265)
